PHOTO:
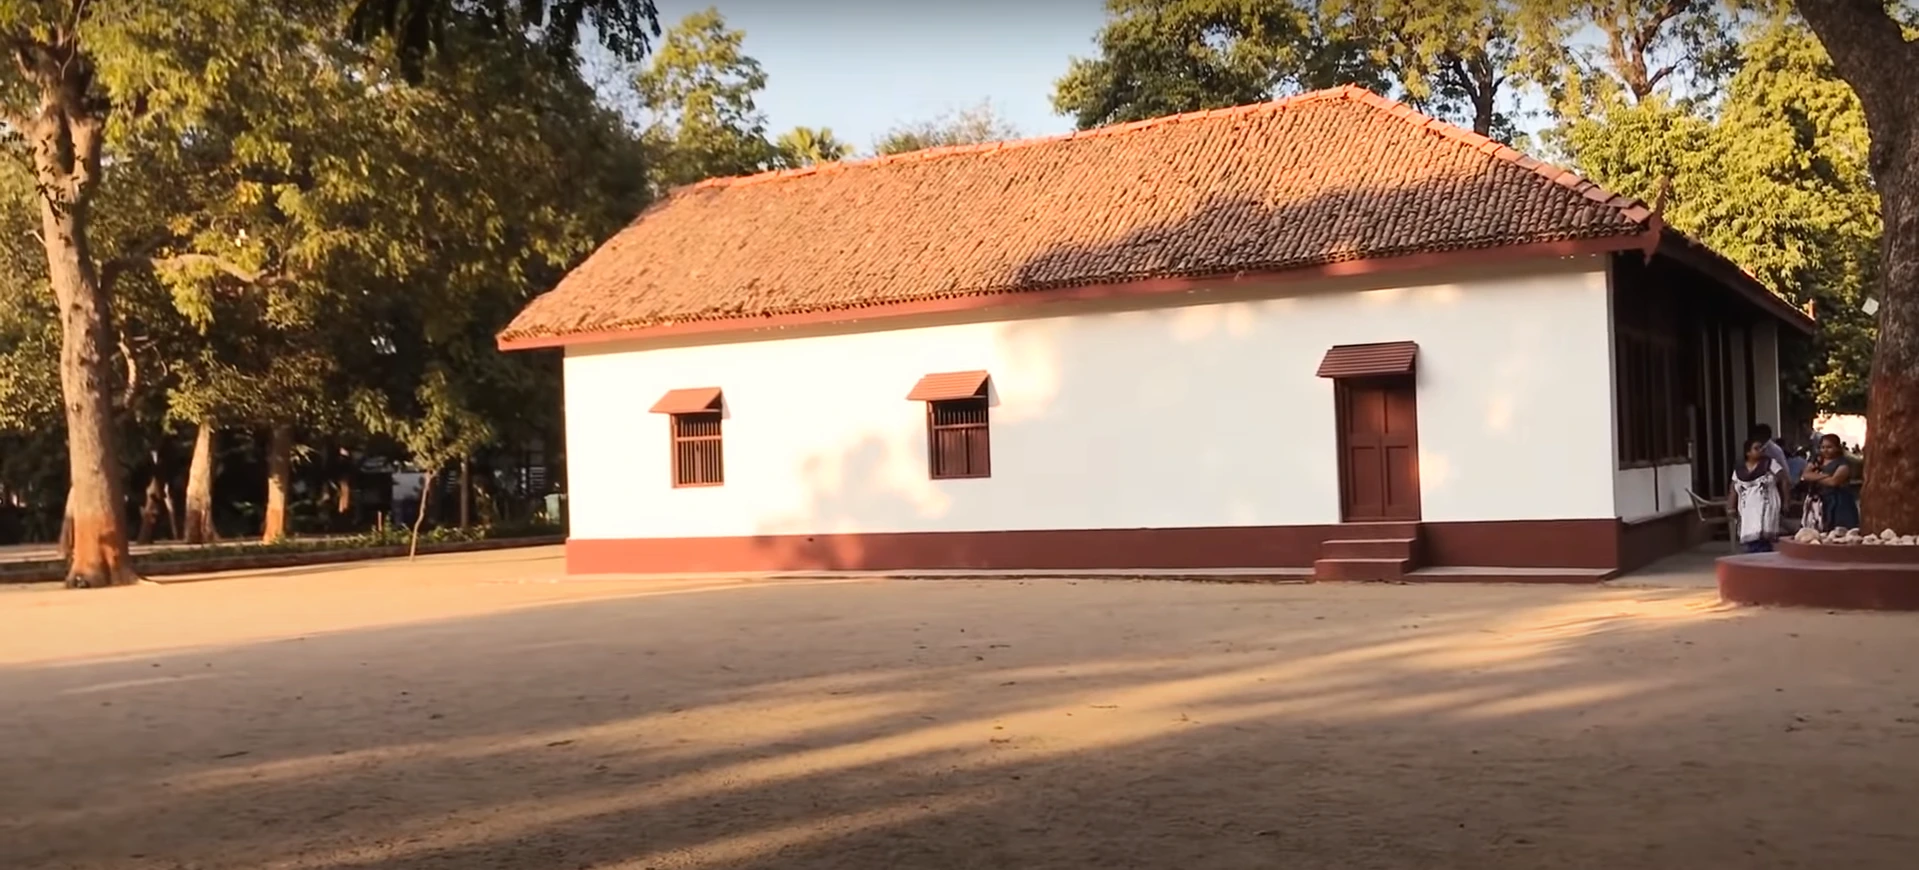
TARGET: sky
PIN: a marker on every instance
(863, 66)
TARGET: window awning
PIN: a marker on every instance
(1369, 360)
(691, 401)
(948, 385)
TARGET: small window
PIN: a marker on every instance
(697, 459)
(694, 416)
(957, 438)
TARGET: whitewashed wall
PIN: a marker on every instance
(1205, 415)
(1649, 491)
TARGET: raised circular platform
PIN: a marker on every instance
(1832, 576)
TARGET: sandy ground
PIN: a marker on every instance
(470, 712)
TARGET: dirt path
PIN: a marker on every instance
(470, 712)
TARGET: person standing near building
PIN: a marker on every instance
(1756, 499)
(1762, 433)
(1831, 477)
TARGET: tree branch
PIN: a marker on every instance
(133, 373)
(114, 268)
(248, 276)
(1660, 75)
(142, 255)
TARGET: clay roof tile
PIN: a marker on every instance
(1303, 181)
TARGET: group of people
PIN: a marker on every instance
(1764, 483)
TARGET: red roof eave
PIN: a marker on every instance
(1148, 287)
(1681, 248)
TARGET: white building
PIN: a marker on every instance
(1323, 330)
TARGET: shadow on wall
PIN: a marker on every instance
(1231, 430)
(943, 725)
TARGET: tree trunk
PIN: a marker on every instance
(66, 142)
(343, 483)
(156, 501)
(1892, 403)
(200, 489)
(173, 517)
(466, 493)
(1870, 52)
(66, 528)
(419, 518)
(279, 481)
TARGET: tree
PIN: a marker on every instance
(700, 90)
(625, 27)
(1643, 47)
(75, 65)
(1454, 59)
(805, 146)
(1871, 52)
(971, 126)
(1777, 182)
(1164, 57)
(33, 475)
(440, 428)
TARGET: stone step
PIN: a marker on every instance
(1382, 529)
(1361, 569)
(1368, 548)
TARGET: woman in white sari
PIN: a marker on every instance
(1756, 498)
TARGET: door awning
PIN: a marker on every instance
(1369, 360)
(949, 385)
(691, 401)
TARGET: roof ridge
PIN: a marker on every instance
(1029, 141)
(1633, 208)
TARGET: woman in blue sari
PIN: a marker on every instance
(1830, 478)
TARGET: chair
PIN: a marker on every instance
(1712, 514)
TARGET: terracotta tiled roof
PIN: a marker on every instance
(1305, 181)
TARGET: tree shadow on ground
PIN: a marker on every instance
(985, 724)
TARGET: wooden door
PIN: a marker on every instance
(1378, 449)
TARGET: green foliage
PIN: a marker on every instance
(970, 126)
(33, 466)
(1163, 57)
(300, 226)
(437, 429)
(1777, 181)
(416, 27)
(1454, 59)
(1589, 54)
(805, 146)
(700, 91)
(29, 333)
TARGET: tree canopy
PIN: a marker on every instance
(417, 27)
(700, 93)
(277, 245)
(969, 126)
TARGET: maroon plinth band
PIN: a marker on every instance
(1596, 544)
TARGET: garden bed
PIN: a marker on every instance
(288, 554)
